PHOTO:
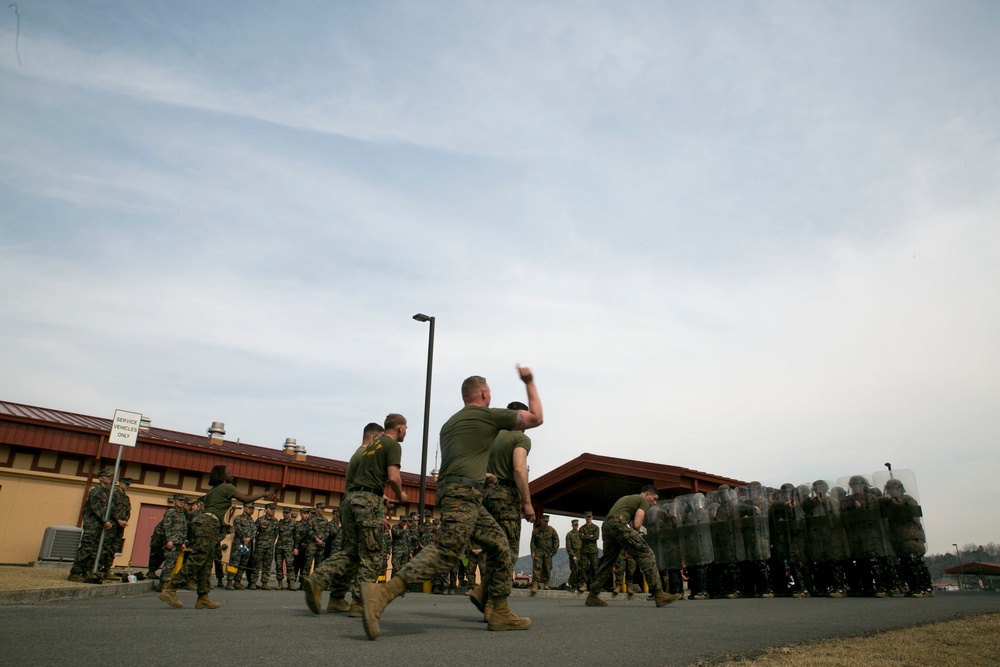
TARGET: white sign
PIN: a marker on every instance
(125, 428)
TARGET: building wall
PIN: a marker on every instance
(29, 503)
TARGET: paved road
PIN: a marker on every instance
(275, 628)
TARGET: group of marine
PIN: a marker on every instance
(855, 538)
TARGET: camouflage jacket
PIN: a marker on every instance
(573, 543)
(544, 540)
(243, 527)
(266, 528)
(286, 534)
(97, 505)
(589, 534)
(175, 526)
(121, 506)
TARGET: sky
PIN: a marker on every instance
(756, 239)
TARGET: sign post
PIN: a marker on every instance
(125, 429)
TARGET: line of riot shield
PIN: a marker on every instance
(789, 558)
(755, 528)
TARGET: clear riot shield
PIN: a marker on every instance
(668, 538)
(788, 525)
(754, 507)
(727, 540)
(826, 539)
(695, 530)
(900, 505)
(861, 512)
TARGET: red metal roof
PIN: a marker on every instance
(47, 428)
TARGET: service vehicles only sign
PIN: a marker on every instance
(125, 428)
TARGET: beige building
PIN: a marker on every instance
(49, 458)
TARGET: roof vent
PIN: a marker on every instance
(215, 433)
(289, 446)
(300, 452)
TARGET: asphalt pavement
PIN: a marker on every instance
(276, 628)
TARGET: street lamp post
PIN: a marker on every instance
(420, 317)
(958, 555)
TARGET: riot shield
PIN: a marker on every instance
(727, 540)
(695, 531)
(900, 504)
(788, 526)
(862, 516)
(754, 522)
(668, 539)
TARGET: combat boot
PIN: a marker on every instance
(504, 619)
(238, 586)
(281, 585)
(534, 588)
(314, 594)
(663, 598)
(355, 610)
(375, 598)
(253, 586)
(230, 586)
(191, 586)
(487, 611)
(76, 578)
(594, 600)
(169, 595)
(204, 603)
(478, 595)
(339, 605)
(292, 586)
(265, 587)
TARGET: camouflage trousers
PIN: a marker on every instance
(362, 517)
(399, 559)
(87, 552)
(574, 571)
(284, 562)
(309, 561)
(263, 559)
(619, 535)
(203, 540)
(476, 562)
(463, 519)
(504, 505)
(541, 567)
(169, 560)
(241, 561)
(588, 565)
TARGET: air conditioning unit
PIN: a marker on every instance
(60, 543)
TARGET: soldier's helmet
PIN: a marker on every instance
(787, 489)
(894, 487)
(286, 510)
(820, 486)
(858, 480)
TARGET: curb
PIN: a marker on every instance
(70, 593)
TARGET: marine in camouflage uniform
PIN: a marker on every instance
(284, 550)
(301, 537)
(466, 439)
(175, 534)
(573, 545)
(544, 545)
(589, 534)
(866, 539)
(156, 543)
(507, 497)
(789, 544)
(906, 537)
(621, 533)
(264, 543)
(93, 526)
(315, 527)
(363, 515)
(476, 564)
(244, 531)
(400, 544)
(121, 512)
(827, 541)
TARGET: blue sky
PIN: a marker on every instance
(755, 239)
